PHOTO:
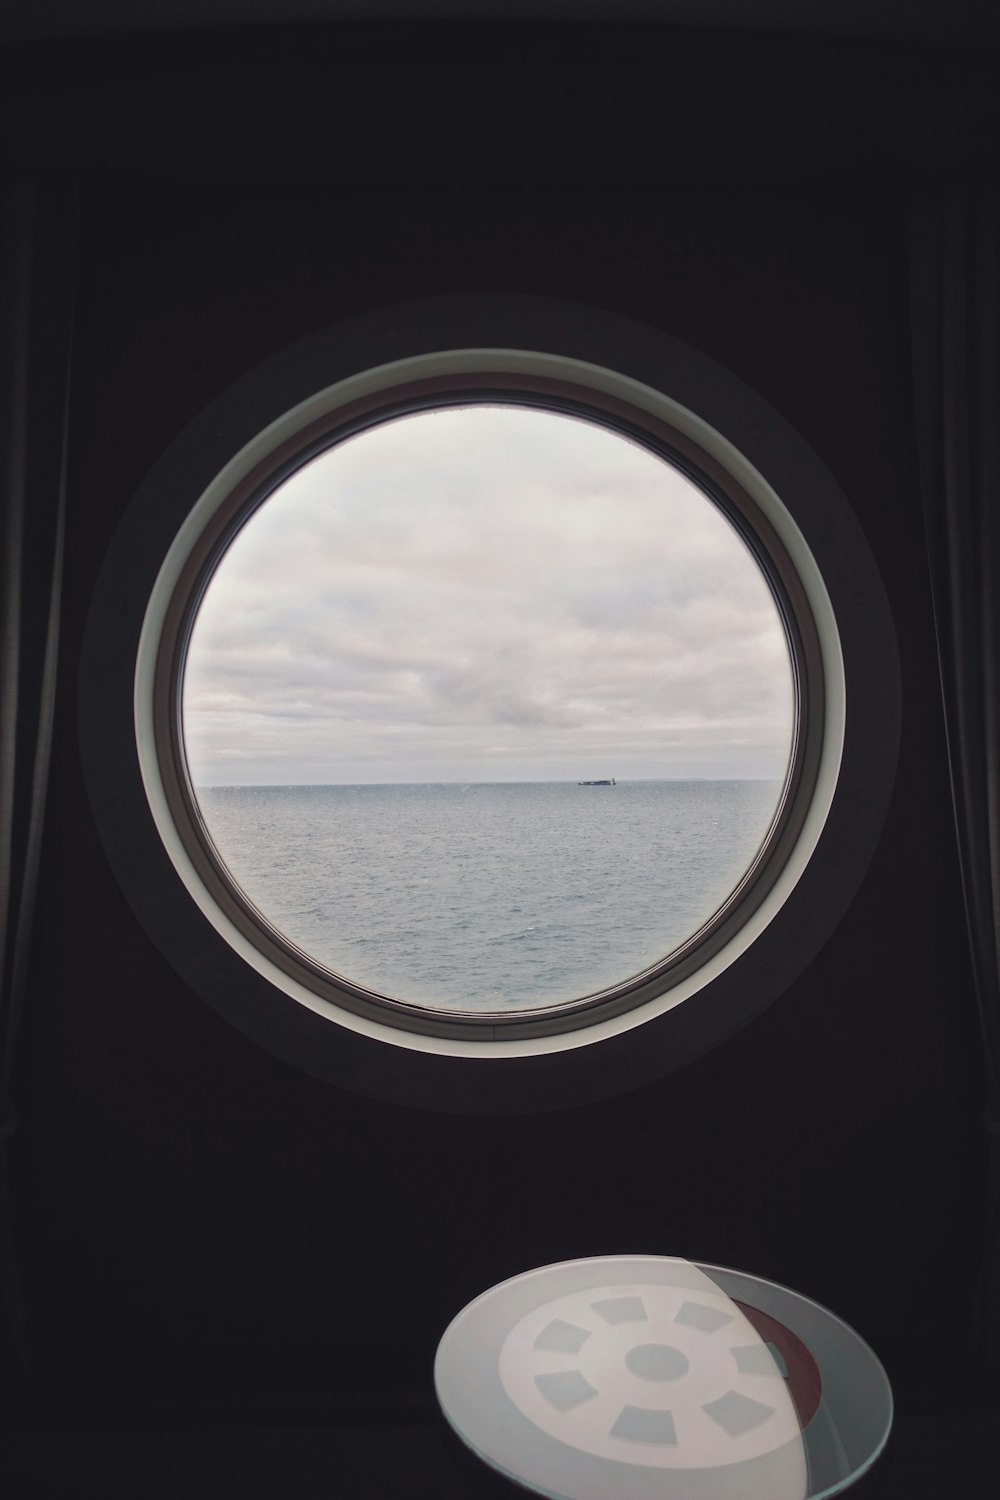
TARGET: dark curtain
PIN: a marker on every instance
(956, 360)
(37, 254)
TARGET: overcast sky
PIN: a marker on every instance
(486, 594)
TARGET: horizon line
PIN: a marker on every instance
(465, 781)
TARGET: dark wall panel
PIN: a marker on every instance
(203, 1228)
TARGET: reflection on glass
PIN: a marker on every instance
(659, 1382)
(488, 708)
(702, 1384)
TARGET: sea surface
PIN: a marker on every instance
(489, 896)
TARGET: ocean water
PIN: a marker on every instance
(489, 896)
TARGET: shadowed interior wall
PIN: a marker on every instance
(203, 1229)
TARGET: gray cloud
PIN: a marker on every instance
(486, 593)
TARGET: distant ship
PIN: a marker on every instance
(612, 782)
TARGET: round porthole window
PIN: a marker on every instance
(487, 703)
(403, 676)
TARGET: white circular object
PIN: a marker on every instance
(641, 1377)
(709, 1412)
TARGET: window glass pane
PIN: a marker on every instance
(419, 665)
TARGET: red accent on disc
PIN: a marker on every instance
(805, 1384)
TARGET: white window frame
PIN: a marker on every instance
(544, 353)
